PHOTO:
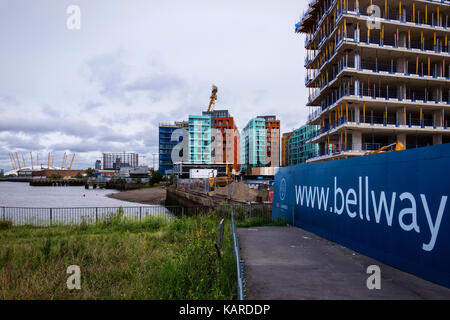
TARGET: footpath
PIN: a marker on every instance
(287, 263)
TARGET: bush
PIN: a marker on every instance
(156, 177)
(5, 225)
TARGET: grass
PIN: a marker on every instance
(260, 222)
(156, 258)
(260, 216)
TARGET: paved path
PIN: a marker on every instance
(290, 263)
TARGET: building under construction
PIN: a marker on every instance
(378, 73)
(115, 161)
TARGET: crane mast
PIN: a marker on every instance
(212, 102)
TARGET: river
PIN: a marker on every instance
(23, 204)
(21, 194)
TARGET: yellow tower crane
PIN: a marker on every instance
(212, 102)
(48, 163)
(31, 158)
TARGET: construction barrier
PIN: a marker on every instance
(393, 207)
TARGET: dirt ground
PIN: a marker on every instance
(241, 192)
(145, 196)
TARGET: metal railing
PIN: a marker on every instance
(77, 215)
(239, 262)
(244, 214)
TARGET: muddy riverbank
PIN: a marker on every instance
(154, 196)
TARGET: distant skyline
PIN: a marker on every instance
(137, 63)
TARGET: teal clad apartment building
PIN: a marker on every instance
(299, 149)
(199, 139)
(253, 144)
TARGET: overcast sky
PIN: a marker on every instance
(136, 63)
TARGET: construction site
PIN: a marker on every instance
(378, 75)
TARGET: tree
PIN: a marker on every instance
(79, 175)
(156, 177)
(55, 176)
(90, 172)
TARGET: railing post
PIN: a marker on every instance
(3, 211)
(96, 215)
(140, 213)
(51, 213)
(182, 212)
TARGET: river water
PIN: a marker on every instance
(21, 194)
(23, 204)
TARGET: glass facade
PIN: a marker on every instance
(200, 139)
(299, 149)
(253, 144)
(166, 146)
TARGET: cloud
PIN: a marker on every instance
(157, 84)
(12, 142)
(108, 73)
(45, 124)
(91, 105)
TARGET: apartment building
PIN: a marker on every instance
(200, 139)
(378, 72)
(253, 144)
(166, 145)
(273, 140)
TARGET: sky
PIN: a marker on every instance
(134, 64)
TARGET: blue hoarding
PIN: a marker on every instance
(393, 207)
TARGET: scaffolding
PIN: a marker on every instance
(115, 161)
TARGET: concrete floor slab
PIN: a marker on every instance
(286, 263)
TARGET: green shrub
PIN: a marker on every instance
(6, 224)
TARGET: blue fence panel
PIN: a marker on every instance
(393, 207)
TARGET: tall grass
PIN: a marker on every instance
(156, 258)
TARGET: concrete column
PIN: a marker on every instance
(437, 94)
(401, 91)
(400, 120)
(357, 34)
(356, 87)
(403, 40)
(357, 112)
(437, 139)
(357, 60)
(439, 69)
(401, 65)
(437, 118)
(356, 140)
(401, 137)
